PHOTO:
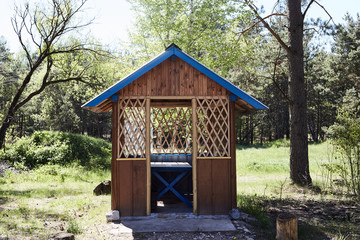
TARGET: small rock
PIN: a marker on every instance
(103, 188)
(63, 236)
(235, 213)
(113, 216)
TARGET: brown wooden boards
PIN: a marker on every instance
(139, 188)
(174, 77)
(130, 195)
(213, 193)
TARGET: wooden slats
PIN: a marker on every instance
(131, 133)
(174, 77)
(171, 130)
(213, 127)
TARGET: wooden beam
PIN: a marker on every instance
(194, 154)
(233, 156)
(170, 104)
(213, 158)
(114, 179)
(148, 156)
(171, 97)
(132, 159)
(184, 97)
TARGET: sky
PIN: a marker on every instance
(114, 17)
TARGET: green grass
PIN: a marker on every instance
(265, 170)
(43, 202)
(55, 198)
(263, 177)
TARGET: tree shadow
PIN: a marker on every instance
(37, 192)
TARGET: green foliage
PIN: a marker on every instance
(47, 147)
(345, 135)
(252, 205)
(207, 30)
(73, 227)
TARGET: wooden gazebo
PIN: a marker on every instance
(173, 113)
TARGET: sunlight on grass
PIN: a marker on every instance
(51, 199)
(264, 170)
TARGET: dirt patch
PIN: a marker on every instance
(317, 219)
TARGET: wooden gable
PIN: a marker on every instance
(173, 77)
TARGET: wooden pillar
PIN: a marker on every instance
(286, 227)
(194, 154)
(233, 156)
(114, 139)
(148, 157)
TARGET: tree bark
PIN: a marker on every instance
(299, 161)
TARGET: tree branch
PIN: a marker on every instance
(267, 26)
(274, 79)
(314, 1)
(307, 8)
(273, 14)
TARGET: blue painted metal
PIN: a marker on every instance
(233, 97)
(174, 51)
(169, 185)
(170, 155)
(114, 98)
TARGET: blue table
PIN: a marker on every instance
(182, 168)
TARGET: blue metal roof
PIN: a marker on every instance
(174, 50)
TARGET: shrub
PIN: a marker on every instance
(345, 136)
(73, 227)
(48, 147)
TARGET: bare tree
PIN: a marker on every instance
(299, 160)
(46, 27)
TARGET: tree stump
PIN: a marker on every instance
(286, 227)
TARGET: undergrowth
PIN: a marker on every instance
(49, 147)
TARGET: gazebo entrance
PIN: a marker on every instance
(172, 146)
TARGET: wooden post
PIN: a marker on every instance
(286, 227)
(233, 156)
(194, 154)
(114, 164)
(148, 156)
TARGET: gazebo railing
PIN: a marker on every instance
(213, 127)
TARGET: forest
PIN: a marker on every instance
(217, 35)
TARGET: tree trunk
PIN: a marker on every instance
(4, 128)
(299, 161)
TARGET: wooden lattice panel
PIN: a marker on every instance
(171, 130)
(213, 124)
(131, 128)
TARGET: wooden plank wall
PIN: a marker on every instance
(173, 77)
(130, 195)
(128, 179)
(214, 191)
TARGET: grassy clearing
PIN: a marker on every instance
(54, 198)
(51, 199)
(264, 170)
(263, 185)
